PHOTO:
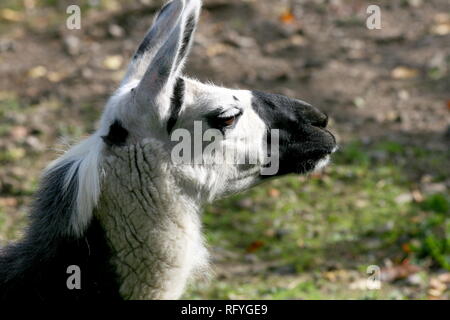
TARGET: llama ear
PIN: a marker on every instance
(190, 19)
(166, 65)
(164, 22)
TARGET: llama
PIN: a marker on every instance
(120, 209)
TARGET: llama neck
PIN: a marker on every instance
(35, 267)
(152, 227)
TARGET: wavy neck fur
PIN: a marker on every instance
(143, 242)
(151, 223)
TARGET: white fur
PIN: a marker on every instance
(156, 238)
(85, 157)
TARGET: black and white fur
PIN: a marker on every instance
(116, 205)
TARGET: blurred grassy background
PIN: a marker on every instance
(384, 200)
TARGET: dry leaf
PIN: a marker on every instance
(112, 5)
(11, 15)
(37, 72)
(7, 95)
(442, 26)
(331, 276)
(444, 277)
(406, 248)
(255, 245)
(17, 153)
(437, 287)
(216, 49)
(404, 198)
(287, 17)
(404, 73)
(435, 283)
(274, 193)
(8, 202)
(400, 271)
(316, 175)
(19, 132)
(441, 29)
(29, 4)
(441, 17)
(360, 284)
(113, 62)
(269, 233)
(54, 76)
(417, 196)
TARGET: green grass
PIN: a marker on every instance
(346, 219)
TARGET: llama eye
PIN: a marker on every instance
(229, 121)
(223, 120)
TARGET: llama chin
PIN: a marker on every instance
(322, 164)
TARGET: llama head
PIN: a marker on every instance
(253, 134)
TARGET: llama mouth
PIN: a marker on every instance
(321, 164)
(314, 160)
(303, 162)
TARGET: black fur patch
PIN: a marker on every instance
(176, 104)
(279, 108)
(146, 43)
(163, 9)
(302, 139)
(187, 36)
(35, 267)
(117, 135)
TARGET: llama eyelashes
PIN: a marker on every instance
(224, 120)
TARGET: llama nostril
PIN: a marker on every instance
(323, 122)
(320, 120)
(313, 115)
